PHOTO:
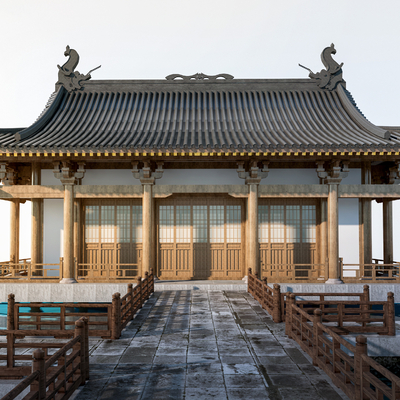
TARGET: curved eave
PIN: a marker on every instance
(43, 120)
(359, 119)
(238, 115)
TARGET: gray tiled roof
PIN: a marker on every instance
(247, 114)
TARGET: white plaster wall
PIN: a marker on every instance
(53, 230)
(109, 177)
(353, 178)
(48, 178)
(303, 176)
(348, 231)
(24, 229)
(96, 177)
(348, 224)
(200, 177)
(377, 230)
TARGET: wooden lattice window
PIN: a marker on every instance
(110, 223)
(292, 223)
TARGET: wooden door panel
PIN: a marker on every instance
(198, 258)
(113, 236)
(296, 237)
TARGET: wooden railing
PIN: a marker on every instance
(305, 298)
(380, 261)
(126, 307)
(107, 272)
(107, 322)
(26, 271)
(373, 273)
(295, 272)
(347, 365)
(361, 315)
(270, 299)
(50, 377)
(21, 261)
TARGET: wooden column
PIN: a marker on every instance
(323, 231)
(14, 231)
(68, 266)
(387, 232)
(365, 226)
(36, 220)
(147, 207)
(333, 234)
(77, 229)
(252, 229)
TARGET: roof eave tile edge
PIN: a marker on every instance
(114, 153)
(36, 126)
(358, 118)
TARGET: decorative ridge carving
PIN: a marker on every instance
(67, 76)
(199, 76)
(330, 77)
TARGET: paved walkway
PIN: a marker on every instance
(196, 344)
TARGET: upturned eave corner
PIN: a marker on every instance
(43, 119)
(358, 118)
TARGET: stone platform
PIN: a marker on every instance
(102, 292)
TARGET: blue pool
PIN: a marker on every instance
(49, 310)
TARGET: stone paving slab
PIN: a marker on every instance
(199, 344)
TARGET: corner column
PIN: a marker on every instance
(252, 175)
(324, 233)
(69, 177)
(36, 220)
(77, 229)
(387, 232)
(252, 228)
(333, 234)
(68, 262)
(332, 178)
(147, 176)
(365, 225)
(14, 231)
(147, 207)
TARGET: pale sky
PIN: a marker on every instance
(154, 38)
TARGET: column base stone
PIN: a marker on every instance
(68, 280)
(334, 281)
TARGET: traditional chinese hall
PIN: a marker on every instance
(201, 177)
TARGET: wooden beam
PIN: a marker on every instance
(162, 191)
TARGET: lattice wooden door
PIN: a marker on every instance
(113, 234)
(200, 238)
(287, 236)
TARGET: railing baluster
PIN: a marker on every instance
(276, 303)
(316, 332)
(390, 315)
(359, 367)
(39, 385)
